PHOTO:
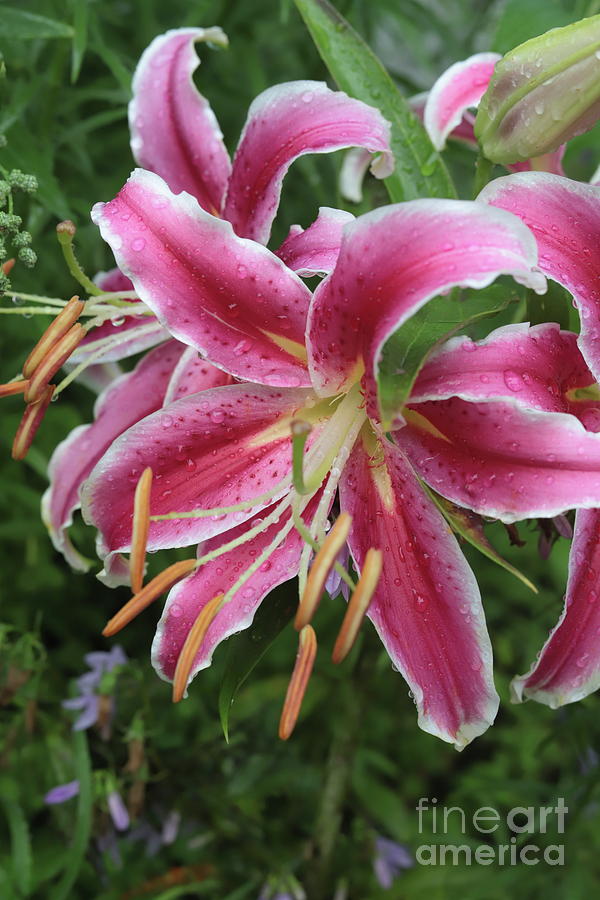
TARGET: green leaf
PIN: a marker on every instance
(80, 35)
(250, 646)
(419, 170)
(20, 25)
(83, 824)
(19, 841)
(407, 349)
(470, 526)
(553, 306)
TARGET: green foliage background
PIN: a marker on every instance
(253, 807)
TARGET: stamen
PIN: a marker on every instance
(65, 232)
(307, 650)
(98, 348)
(29, 424)
(163, 582)
(141, 525)
(192, 644)
(7, 266)
(358, 605)
(300, 432)
(203, 513)
(61, 325)
(13, 387)
(51, 363)
(320, 569)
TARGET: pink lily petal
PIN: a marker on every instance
(568, 667)
(218, 448)
(192, 374)
(128, 399)
(534, 367)
(392, 261)
(314, 250)
(503, 460)
(96, 377)
(230, 298)
(427, 608)
(115, 281)
(352, 173)
(564, 216)
(460, 88)
(174, 131)
(188, 598)
(285, 122)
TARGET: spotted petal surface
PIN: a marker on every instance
(285, 122)
(188, 598)
(391, 262)
(568, 667)
(127, 400)
(216, 448)
(230, 298)
(564, 216)
(174, 131)
(427, 608)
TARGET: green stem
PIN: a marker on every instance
(320, 877)
(483, 172)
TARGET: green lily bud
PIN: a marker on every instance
(542, 93)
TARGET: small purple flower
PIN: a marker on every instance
(118, 811)
(62, 792)
(88, 701)
(389, 861)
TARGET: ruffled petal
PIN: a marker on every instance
(564, 216)
(392, 261)
(460, 88)
(534, 367)
(285, 122)
(503, 460)
(218, 448)
(314, 250)
(126, 401)
(568, 667)
(115, 281)
(231, 299)
(427, 608)
(188, 598)
(174, 131)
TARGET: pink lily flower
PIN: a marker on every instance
(221, 460)
(284, 122)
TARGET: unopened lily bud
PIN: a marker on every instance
(542, 93)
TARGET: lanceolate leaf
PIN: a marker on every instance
(407, 349)
(18, 24)
(470, 526)
(247, 648)
(419, 170)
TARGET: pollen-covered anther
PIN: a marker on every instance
(141, 526)
(305, 658)
(13, 387)
(29, 424)
(163, 582)
(320, 569)
(52, 361)
(192, 644)
(358, 605)
(61, 325)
